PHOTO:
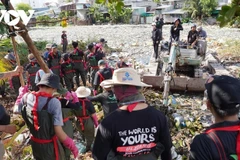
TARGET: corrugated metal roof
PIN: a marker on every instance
(163, 6)
(175, 11)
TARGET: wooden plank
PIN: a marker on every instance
(180, 83)
(215, 67)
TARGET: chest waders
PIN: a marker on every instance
(79, 67)
(32, 74)
(68, 74)
(85, 124)
(44, 142)
(55, 65)
(67, 128)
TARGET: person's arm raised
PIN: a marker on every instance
(10, 74)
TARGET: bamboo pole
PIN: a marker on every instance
(29, 41)
(17, 60)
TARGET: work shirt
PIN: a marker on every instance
(202, 34)
(204, 148)
(132, 134)
(45, 55)
(192, 36)
(108, 101)
(54, 107)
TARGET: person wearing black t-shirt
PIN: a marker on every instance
(220, 140)
(135, 130)
(193, 36)
(102, 74)
(107, 99)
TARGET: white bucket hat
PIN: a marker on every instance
(125, 76)
(83, 92)
(104, 85)
(48, 46)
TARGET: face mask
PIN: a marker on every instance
(122, 92)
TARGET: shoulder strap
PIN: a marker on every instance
(101, 76)
(45, 107)
(219, 145)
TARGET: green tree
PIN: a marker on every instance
(230, 14)
(95, 14)
(23, 6)
(200, 8)
(119, 3)
(115, 16)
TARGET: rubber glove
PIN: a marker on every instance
(68, 142)
(22, 91)
(94, 92)
(69, 96)
(95, 120)
(75, 98)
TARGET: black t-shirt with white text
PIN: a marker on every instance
(132, 134)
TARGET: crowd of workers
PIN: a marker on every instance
(131, 129)
(194, 35)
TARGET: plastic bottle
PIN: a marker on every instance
(173, 101)
(81, 147)
(179, 120)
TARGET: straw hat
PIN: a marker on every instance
(83, 92)
(125, 76)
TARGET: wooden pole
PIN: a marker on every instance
(17, 60)
(29, 41)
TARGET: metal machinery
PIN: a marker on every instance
(182, 60)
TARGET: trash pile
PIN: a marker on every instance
(187, 118)
(186, 114)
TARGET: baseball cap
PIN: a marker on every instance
(223, 92)
(101, 62)
(51, 80)
(193, 25)
(54, 45)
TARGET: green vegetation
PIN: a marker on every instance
(45, 20)
(23, 6)
(197, 9)
(230, 14)
(116, 16)
(22, 50)
(95, 13)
